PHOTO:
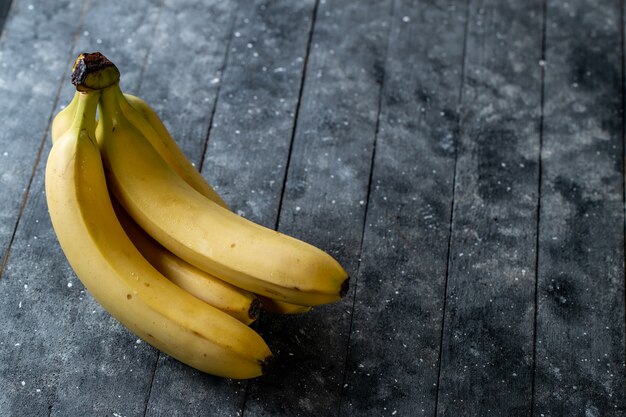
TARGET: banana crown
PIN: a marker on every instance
(93, 71)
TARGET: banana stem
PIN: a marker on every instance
(110, 110)
(85, 116)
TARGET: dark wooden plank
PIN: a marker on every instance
(183, 71)
(248, 148)
(34, 47)
(396, 324)
(580, 317)
(324, 201)
(487, 345)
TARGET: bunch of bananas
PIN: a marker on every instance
(157, 247)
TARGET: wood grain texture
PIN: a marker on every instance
(396, 325)
(250, 139)
(487, 346)
(324, 201)
(580, 318)
(182, 73)
(279, 30)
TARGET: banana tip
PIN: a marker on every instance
(255, 309)
(267, 365)
(345, 286)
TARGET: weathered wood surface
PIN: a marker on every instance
(463, 159)
(396, 326)
(580, 278)
(487, 346)
(323, 200)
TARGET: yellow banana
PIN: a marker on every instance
(121, 280)
(147, 121)
(202, 232)
(241, 304)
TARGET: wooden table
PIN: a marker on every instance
(463, 159)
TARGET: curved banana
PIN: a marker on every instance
(241, 304)
(121, 280)
(147, 121)
(203, 233)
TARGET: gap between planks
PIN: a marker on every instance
(367, 201)
(456, 154)
(622, 22)
(291, 140)
(533, 370)
(297, 112)
(219, 88)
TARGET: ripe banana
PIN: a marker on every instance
(203, 233)
(120, 279)
(147, 121)
(241, 304)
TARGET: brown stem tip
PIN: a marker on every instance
(93, 71)
(267, 365)
(255, 309)
(345, 286)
